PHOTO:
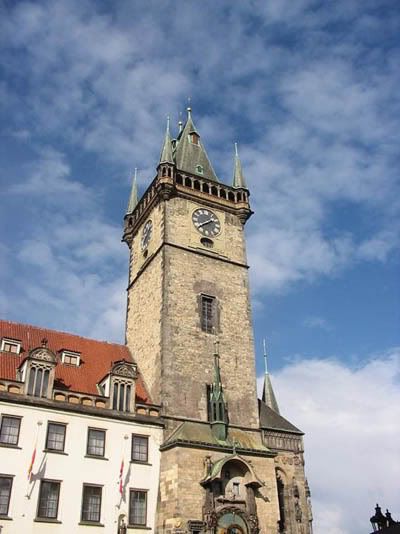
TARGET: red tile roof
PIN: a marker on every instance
(96, 357)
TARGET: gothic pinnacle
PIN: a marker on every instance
(133, 198)
(238, 177)
(166, 152)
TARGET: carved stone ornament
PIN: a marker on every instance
(43, 354)
(125, 369)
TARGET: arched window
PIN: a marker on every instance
(179, 179)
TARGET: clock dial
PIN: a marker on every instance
(206, 222)
(146, 234)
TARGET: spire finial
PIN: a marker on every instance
(189, 108)
(265, 356)
(168, 119)
(236, 150)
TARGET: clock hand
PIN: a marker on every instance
(205, 222)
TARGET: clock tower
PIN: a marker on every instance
(189, 328)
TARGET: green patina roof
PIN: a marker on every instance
(194, 433)
(133, 198)
(166, 152)
(272, 420)
(189, 156)
(238, 177)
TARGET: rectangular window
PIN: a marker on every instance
(55, 440)
(9, 431)
(49, 495)
(207, 313)
(121, 396)
(137, 507)
(96, 442)
(140, 446)
(38, 381)
(70, 358)
(5, 494)
(91, 503)
(9, 345)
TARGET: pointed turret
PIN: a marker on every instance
(268, 393)
(218, 412)
(166, 152)
(133, 198)
(238, 177)
(190, 154)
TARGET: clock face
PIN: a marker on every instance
(206, 222)
(146, 234)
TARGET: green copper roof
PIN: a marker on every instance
(191, 157)
(238, 177)
(133, 198)
(166, 152)
(198, 433)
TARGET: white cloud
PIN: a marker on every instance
(350, 417)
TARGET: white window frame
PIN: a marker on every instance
(14, 342)
(71, 354)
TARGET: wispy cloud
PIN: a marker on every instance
(317, 322)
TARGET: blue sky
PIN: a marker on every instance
(309, 90)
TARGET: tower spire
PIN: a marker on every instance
(166, 152)
(133, 198)
(238, 177)
(268, 392)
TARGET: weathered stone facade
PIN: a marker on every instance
(225, 471)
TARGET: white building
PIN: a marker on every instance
(79, 437)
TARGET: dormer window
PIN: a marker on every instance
(199, 169)
(10, 345)
(38, 371)
(70, 358)
(194, 138)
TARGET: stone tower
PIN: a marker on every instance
(189, 328)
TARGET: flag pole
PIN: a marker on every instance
(121, 469)
(30, 469)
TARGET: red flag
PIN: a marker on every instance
(31, 464)
(121, 471)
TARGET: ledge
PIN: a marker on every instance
(5, 518)
(53, 451)
(96, 457)
(10, 446)
(91, 524)
(138, 462)
(47, 520)
(139, 527)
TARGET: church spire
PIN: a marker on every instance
(268, 393)
(238, 177)
(133, 198)
(166, 152)
(218, 412)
